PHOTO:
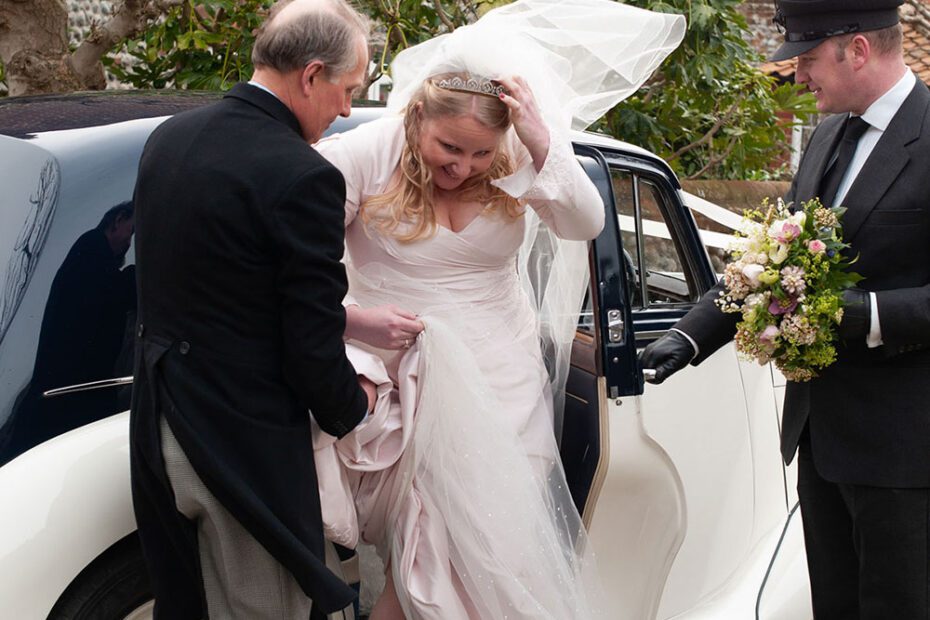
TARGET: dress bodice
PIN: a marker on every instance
(476, 264)
(461, 267)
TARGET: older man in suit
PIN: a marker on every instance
(861, 428)
(239, 240)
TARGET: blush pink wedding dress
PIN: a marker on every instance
(455, 476)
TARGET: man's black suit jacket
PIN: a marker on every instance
(869, 413)
(238, 245)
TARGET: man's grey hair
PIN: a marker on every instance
(328, 33)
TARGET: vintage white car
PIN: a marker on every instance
(690, 508)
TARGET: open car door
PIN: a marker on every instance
(680, 485)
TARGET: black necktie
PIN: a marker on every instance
(830, 183)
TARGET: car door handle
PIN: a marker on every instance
(84, 387)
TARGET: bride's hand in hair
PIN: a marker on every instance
(384, 327)
(527, 119)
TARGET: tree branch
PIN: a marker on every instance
(714, 160)
(709, 136)
(442, 15)
(130, 18)
(653, 86)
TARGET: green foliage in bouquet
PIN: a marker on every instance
(786, 279)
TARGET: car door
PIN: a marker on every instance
(671, 502)
(69, 297)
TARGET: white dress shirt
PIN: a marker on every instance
(878, 116)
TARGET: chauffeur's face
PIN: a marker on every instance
(828, 72)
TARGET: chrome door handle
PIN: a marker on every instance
(84, 387)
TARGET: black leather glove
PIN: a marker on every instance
(667, 355)
(857, 309)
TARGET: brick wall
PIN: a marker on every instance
(763, 36)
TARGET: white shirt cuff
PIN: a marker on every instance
(690, 339)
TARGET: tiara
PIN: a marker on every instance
(478, 86)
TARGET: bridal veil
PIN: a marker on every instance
(580, 58)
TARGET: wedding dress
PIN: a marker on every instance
(456, 475)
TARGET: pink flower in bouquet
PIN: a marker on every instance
(768, 336)
(778, 308)
(816, 246)
(792, 280)
(789, 232)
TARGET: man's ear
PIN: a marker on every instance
(312, 71)
(859, 51)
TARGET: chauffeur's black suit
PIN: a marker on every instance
(239, 235)
(866, 419)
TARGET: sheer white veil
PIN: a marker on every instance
(580, 58)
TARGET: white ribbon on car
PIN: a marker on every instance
(710, 238)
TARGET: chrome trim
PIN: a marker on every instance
(640, 242)
(652, 333)
(578, 398)
(615, 326)
(84, 387)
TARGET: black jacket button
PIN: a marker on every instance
(184, 347)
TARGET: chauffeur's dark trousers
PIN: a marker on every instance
(867, 547)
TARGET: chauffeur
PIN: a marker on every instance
(861, 428)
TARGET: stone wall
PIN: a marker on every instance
(82, 14)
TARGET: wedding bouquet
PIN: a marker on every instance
(786, 278)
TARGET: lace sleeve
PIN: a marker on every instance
(561, 193)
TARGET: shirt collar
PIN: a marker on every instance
(270, 92)
(883, 109)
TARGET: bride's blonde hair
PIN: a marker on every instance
(410, 198)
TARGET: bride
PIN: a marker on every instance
(467, 218)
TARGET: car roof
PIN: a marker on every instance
(24, 117)
(21, 117)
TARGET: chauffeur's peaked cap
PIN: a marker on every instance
(807, 23)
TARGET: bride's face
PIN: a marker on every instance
(456, 148)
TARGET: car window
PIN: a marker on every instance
(68, 287)
(719, 257)
(654, 255)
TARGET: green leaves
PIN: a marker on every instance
(203, 45)
(408, 22)
(714, 115)
(708, 110)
